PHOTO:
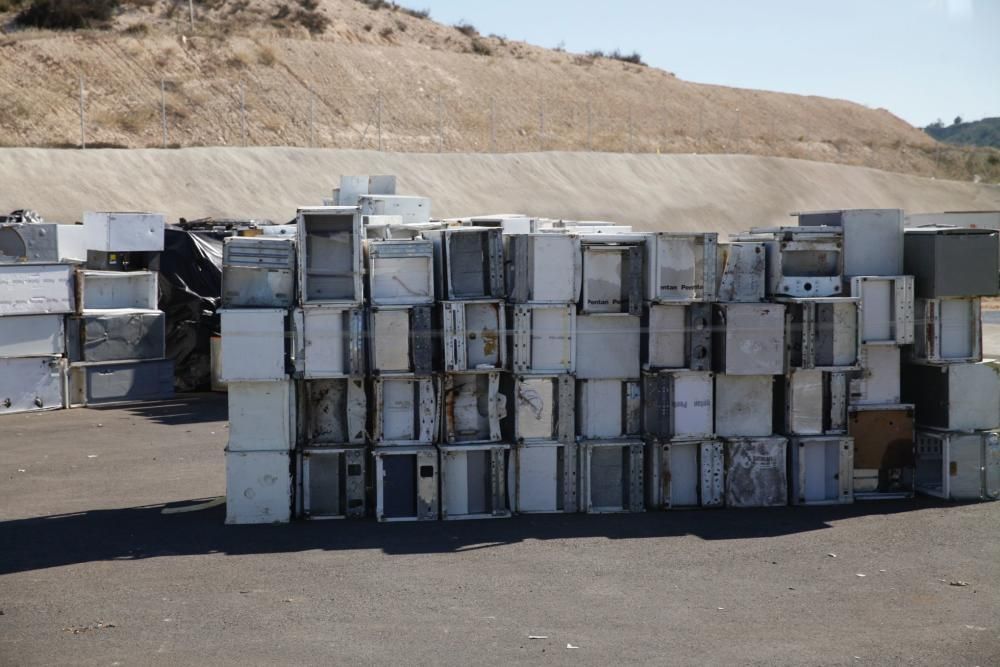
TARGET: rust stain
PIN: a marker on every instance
(490, 342)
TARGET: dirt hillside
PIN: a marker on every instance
(353, 74)
(725, 193)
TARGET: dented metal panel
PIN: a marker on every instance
(474, 335)
(473, 407)
(401, 272)
(474, 481)
(677, 336)
(120, 382)
(543, 339)
(36, 289)
(258, 272)
(331, 483)
(543, 268)
(743, 405)
(885, 310)
(678, 404)
(332, 342)
(539, 407)
(611, 476)
(330, 261)
(334, 412)
(258, 487)
(742, 274)
(406, 483)
(749, 339)
(114, 335)
(681, 267)
(948, 330)
(822, 332)
(30, 384)
(821, 470)
(811, 402)
(29, 242)
(608, 408)
(544, 477)
(123, 231)
(756, 472)
(607, 346)
(406, 410)
(262, 416)
(684, 473)
(956, 397)
(32, 336)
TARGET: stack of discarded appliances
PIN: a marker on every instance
(76, 328)
(382, 363)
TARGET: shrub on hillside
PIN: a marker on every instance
(466, 29)
(633, 58)
(67, 14)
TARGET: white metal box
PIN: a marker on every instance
(410, 209)
(106, 383)
(749, 339)
(681, 266)
(468, 263)
(328, 342)
(406, 410)
(539, 407)
(543, 338)
(802, 261)
(955, 397)
(330, 267)
(684, 473)
(878, 382)
(821, 470)
(743, 405)
(331, 482)
(258, 487)
(608, 408)
(32, 383)
(612, 277)
(607, 347)
(543, 478)
(473, 407)
(885, 310)
(811, 402)
(677, 336)
(36, 289)
(352, 187)
(29, 242)
(678, 404)
(958, 466)
(72, 240)
(124, 232)
(102, 290)
(821, 332)
(611, 477)
(262, 416)
(401, 272)
(873, 238)
(543, 268)
(948, 331)
(116, 335)
(32, 336)
(742, 274)
(333, 412)
(474, 481)
(401, 340)
(253, 344)
(258, 272)
(474, 335)
(883, 450)
(756, 472)
(406, 483)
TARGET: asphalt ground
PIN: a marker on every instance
(94, 572)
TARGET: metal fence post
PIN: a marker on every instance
(379, 119)
(83, 135)
(243, 114)
(312, 118)
(541, 124)
(493, 125)
(736, 131)
(440, 110)
(590, 133)
(631, 146)
(701, 121)
(191, 10)
(163, 109)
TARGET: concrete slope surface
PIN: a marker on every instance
(724, 193)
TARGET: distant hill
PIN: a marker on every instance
(985, 132)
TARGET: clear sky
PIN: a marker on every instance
(921, 59)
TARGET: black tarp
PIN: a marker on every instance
(190, 268)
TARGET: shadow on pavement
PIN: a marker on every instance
(145, 532)
(184, 409)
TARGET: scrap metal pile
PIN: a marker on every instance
(79, 318)
(379, 362)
